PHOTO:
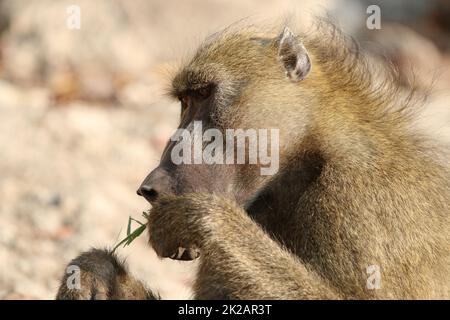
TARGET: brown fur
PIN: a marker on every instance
(102, 276)
(356, 187)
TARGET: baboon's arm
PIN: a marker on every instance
(99, 275)
(238, 259)
(242, 261)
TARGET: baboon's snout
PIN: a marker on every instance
(158, 182)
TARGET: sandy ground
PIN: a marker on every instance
(83, 120)
(69, 175)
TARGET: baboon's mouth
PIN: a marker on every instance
(184, 254)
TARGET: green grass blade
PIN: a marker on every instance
(136, 233)
(129, 226)
(137, 221)
(131, 235)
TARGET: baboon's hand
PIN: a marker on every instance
(181, 222)
(99, 275)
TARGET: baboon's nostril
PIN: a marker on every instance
(158, 182)
(148, 193)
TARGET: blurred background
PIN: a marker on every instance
(83, 116)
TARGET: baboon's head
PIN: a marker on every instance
(245, 82)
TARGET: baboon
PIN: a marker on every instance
(357, 188)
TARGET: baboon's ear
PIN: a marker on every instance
(293, 55)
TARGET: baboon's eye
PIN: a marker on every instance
(204, 92)
(184, 100)
(191, 96)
